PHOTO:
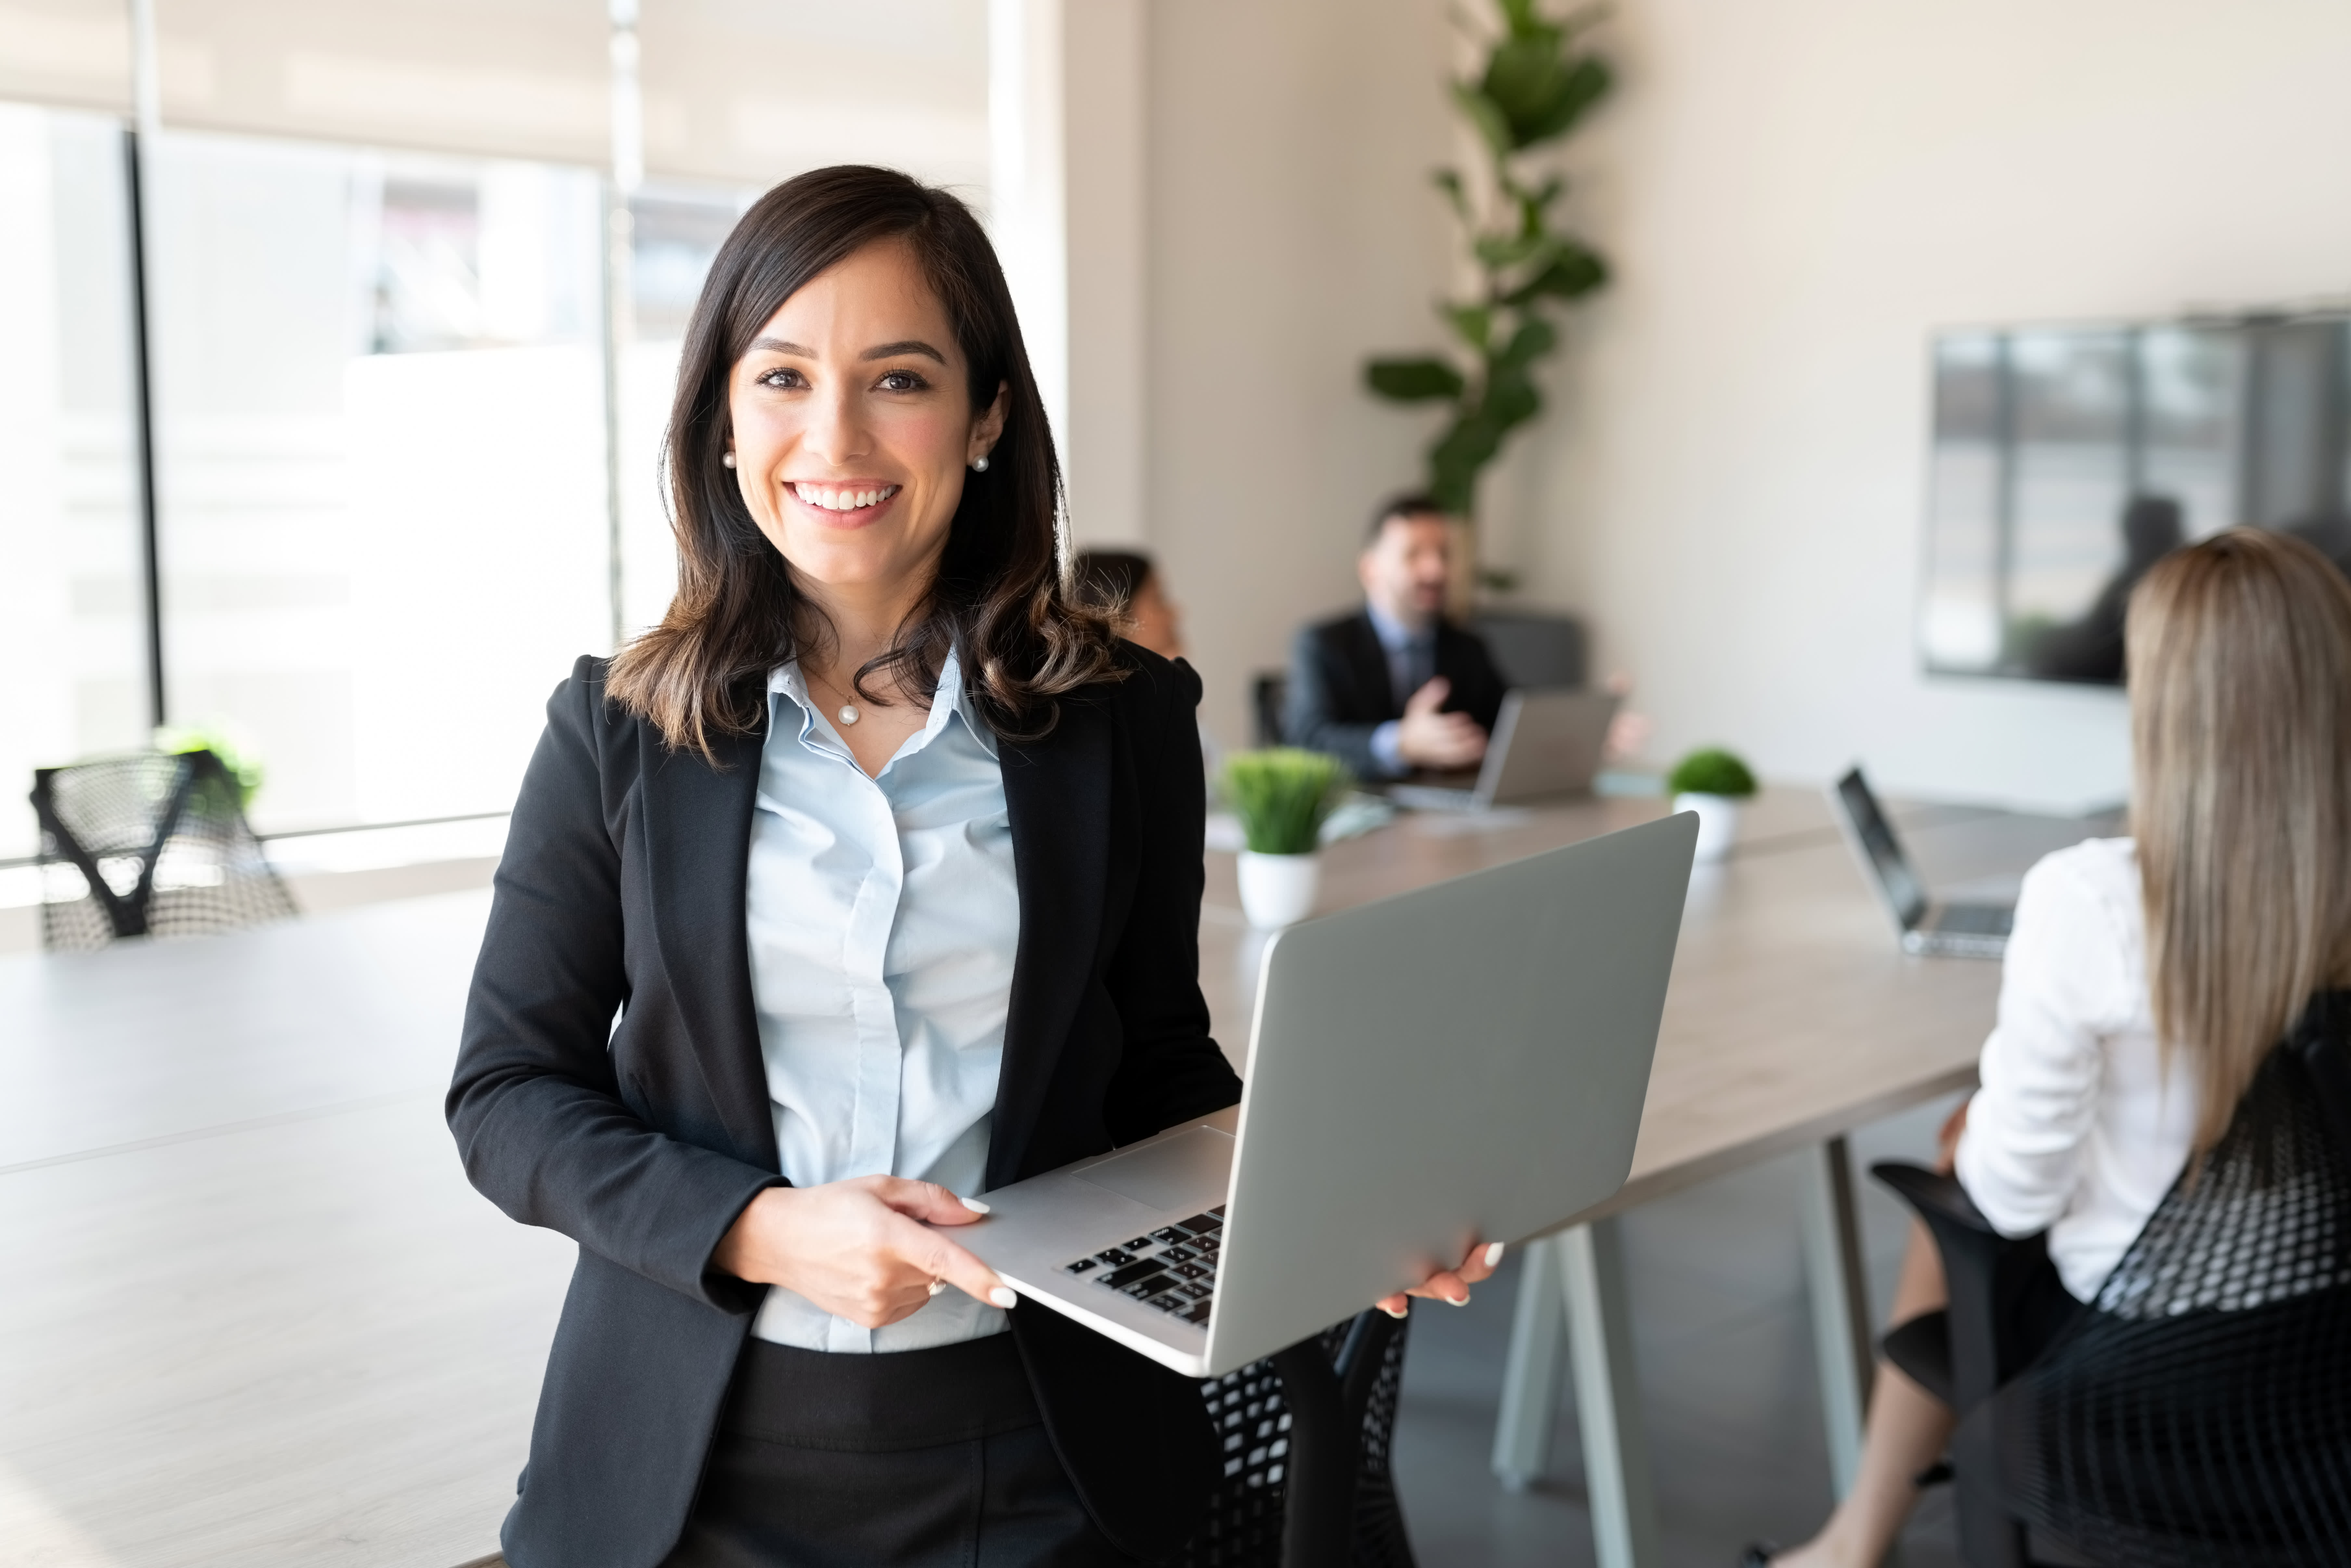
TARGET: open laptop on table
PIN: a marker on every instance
(1464, 1062)
(1961, 930)
(1547, 740)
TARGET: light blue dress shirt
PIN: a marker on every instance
(882, 917)
(1412, 665)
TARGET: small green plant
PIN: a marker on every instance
(235, 755)
(1281, 795)
(1711, 770)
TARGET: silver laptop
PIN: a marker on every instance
(1958, 930)
(1465, 1060)
(1547, 740)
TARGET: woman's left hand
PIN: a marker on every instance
(1450, 1286)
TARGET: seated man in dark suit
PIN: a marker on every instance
(1395, 686)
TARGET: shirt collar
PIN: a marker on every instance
(1393, 634)
(951, 701)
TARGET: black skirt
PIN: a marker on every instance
(925, 1458)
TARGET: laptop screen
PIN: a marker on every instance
(1903, 889)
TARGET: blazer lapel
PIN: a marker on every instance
(1057, 795)
(698, 842)
(1370, 663)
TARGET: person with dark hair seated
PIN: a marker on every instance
(1397, 687)
(1126, 583)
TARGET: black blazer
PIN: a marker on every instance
(622, 891)
(1339, 691)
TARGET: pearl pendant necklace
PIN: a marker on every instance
(848, 713)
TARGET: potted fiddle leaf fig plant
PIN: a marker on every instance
(1536, 83)
(1282, 796)
(1713, 783)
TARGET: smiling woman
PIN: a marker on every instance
(862, 475)
(888, 854)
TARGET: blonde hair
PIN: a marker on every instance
(2239, 652)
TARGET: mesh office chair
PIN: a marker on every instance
(1307, 1437)
(151, 844)
(2199, 1410)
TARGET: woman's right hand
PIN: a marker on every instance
(863, 1249)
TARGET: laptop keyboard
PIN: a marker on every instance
(1975, 919)
(1173, 1269)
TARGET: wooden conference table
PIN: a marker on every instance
(1792, 1017)
(250, 1311)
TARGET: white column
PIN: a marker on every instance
(1107, 178)
(1028, 188)
(1066, 116)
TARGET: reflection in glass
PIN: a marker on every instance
(381, 432)
(72, 616)
(674, 235)
(2067, 460)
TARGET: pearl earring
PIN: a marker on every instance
(728, 460)
(979, 464)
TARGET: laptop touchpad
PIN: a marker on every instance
(1190, 1171)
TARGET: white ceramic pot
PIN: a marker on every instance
(1718, 823)
(1279, 890)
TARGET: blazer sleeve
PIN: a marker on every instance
(1312, 720)
(1171, 1069)
(535, 1105)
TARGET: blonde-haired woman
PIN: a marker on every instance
(2148, 978)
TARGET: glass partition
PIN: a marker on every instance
(73, 648)
(380, 409)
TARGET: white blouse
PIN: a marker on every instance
(883, 916)
(2078, 1127)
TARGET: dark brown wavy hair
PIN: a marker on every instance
(1001, 594)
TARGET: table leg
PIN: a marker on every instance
(1839, 1292)
(1608, 1398)
(1530, 1383)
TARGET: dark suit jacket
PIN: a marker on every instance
(621, 889)
(1340, 692)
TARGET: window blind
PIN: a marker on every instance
(748, 92)
(73, 53)
(511, 78)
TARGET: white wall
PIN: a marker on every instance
(1794, 194)
(1292, 231)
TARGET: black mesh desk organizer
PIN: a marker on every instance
(1306, 1437)
(2199, 1410)
(151, 844)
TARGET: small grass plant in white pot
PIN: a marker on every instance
(1281, 795)
(1714, 783)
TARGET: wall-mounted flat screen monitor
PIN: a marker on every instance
(2067, 459)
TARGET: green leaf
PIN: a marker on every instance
(1510, 401)
(1573, 272)
(1421, 380)
(1539, 91)
(1498, 251)
(1473, 324)
(1531, 342)
(1486, 115)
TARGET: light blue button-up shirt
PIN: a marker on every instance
(883, 918)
